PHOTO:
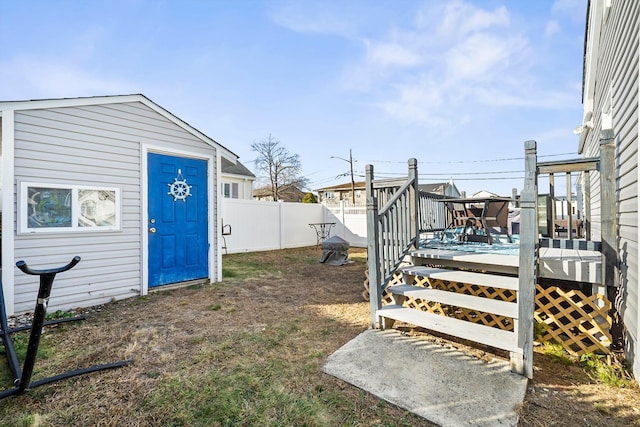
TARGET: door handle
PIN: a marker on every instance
(152, 230)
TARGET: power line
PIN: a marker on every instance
(470, 173)
(454, 173)
(469, 161)
(503, 178)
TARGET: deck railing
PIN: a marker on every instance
(547, 218)
(531, 218)
(432, 212)
(392, 228)
(581, 218)
(397, 212)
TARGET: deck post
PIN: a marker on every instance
(608, 206)
(551, 220)
(587, 205)
(414, 202)
(528, 265)
(569, 206)
(609, 223)
(373, 252)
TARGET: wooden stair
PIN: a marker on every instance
(494, 337)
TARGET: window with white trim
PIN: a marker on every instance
(45, 208)
(230, 190)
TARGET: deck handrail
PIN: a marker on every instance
(568, 167)
(432, 212)
(392, 229)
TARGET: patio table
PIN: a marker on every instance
(323, 230)
(478, 214)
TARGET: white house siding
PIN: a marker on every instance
(92, 145)
(617, 75)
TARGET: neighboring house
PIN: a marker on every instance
(334, 194)
(237, 181)
(117, 180)
(448, 189)
(287, 194)
(610, 100)
(483, 194)
(562, 207)
(331, 196)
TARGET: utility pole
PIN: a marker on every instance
(353, 183)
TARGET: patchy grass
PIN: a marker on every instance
(606, 370)
(249, 351)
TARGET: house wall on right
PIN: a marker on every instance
(610, 98)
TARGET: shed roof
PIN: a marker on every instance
(38, 104)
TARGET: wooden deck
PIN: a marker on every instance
(563, 264)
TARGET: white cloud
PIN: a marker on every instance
(311, 17)
(429, 74)
(481, 56)
(460, 19)
(552, 28)
(496, 96)
(391, 54)
(48, 78)
(570, 6)
(575, 10)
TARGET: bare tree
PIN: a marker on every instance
(282, 169)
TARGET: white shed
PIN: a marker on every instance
(117, 180)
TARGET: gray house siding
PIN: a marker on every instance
(97, 145)
(617, 78)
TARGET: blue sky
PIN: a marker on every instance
(459, 85)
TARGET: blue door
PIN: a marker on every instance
(178, 219)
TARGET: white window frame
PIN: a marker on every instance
(23, 209)
(226, 190)
(230, 190)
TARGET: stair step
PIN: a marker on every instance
(482, 279)
(582, 245)
(487, 335)
(487, 305)
(501, 263)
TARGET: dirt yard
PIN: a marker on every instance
(250, 351)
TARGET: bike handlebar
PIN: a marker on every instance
(22, 265)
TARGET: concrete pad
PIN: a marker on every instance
(441, 384)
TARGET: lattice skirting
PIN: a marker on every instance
(578, 322)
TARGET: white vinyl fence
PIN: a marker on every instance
(351, 223)
(262, 226)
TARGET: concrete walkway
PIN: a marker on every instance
(438, 383)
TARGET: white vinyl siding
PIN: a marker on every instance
(92, 145)
(617, 72)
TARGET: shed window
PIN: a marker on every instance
(56, 208)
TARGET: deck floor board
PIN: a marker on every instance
(555, 263)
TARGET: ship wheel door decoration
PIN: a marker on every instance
(179, 189)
